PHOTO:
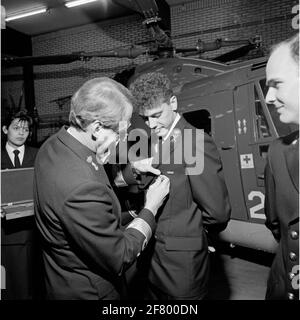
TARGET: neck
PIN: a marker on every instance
(83, 137)
(13, 145)
(174, 115)
(173, 119)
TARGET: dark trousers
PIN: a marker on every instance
(153, 293)
(20, 260)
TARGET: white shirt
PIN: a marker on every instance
(177, 118)
(119, 180)
(10, 150)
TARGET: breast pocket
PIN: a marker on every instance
(105, 290)
(180, 192)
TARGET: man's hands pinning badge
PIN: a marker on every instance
(145, 165)
(157, 193)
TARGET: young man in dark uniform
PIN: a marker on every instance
(198, 200)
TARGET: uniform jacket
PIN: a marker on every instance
(282, 212)
(28, 160)
(16, 232)
(179, 264)
(78, 217)
(17, 242)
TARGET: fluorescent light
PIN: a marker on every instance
(75, 3)
(25, 14)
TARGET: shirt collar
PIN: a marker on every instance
(11, 149)
(177, 118)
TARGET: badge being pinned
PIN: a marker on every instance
(89, 159)
(176, 134)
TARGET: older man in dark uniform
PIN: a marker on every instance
(282, 171)
(85, 250)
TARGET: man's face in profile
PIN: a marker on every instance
(283, 81)
(161, 118)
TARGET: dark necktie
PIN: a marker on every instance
(172, 141)
(17, 160)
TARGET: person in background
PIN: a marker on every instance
(17, 236)
(178, 256)
(282, 171)
(16, 154)
(86, 251)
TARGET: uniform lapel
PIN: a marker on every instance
(6, 161)
(167, 148)
(26, 158)
(292, 162)
(165, 152)
(83, 153)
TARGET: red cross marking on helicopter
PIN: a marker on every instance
(247, 159)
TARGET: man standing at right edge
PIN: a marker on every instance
(282, 172)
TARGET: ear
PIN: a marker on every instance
(94, 129)
(173, 103)
(4, 129)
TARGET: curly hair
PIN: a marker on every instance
(150, 90)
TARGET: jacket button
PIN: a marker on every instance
(294, 235)
(293, 256)
(291, 296)
(291, 275)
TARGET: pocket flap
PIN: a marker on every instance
(103, 287)
(183, 243)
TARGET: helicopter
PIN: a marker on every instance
(225, 100)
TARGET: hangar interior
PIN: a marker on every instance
(76, 39)
(49, 87)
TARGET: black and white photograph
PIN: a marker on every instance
(149, 156)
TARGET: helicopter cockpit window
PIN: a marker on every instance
(263, 130)
(200, 119)
(281, 128)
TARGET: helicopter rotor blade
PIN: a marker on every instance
(149, 10)
(235, 54)
(130, 53)
(39, 60)
(202, 46)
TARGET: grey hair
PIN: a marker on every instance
(101, 99)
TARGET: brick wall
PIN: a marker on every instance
(232, 19)
(203, 19)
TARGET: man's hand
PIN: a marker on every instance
(144, 165)
(104, 146)
(157, 193)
